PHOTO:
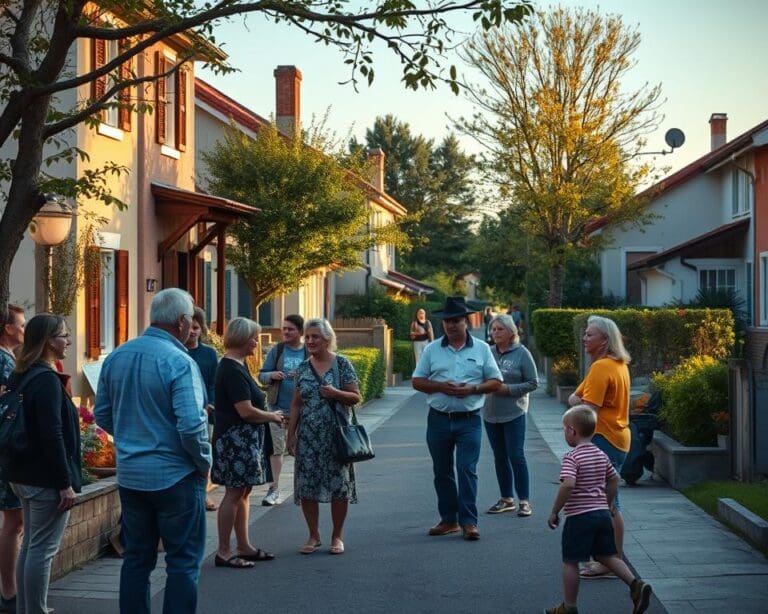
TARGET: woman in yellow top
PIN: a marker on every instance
(606, 390)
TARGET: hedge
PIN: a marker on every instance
(403, 359)
(371, 372)
(693, 394)
(657, 339)
(397, 314)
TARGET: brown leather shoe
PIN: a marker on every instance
(444, 528)
(470, 532)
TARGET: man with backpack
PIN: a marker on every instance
(277, 373)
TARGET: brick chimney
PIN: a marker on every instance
(717, 124)
(376, 158)
(288, 100)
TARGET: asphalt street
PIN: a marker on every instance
(390, 564)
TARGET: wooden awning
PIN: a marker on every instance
(188, 209)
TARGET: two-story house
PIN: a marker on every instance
(704, 234)
(152, 243)
(214, 111)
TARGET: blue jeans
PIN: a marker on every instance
(616, 456)
(462, 435)
(44, 527)
(507, 440)
(177, 516)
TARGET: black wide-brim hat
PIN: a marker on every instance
(455, 307)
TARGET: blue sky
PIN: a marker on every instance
(708, 55)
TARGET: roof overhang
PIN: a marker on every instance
(403, 283)
(717, 243)
(170, 200)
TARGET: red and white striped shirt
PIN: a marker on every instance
(591, 468)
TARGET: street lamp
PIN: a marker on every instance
(50, 227)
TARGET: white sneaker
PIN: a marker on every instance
(272, 497)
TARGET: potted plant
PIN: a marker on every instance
(98, 451)
(722, 420)
(566, 377)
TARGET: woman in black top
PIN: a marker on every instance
(46, 475)
(421, 333)
(239, 454)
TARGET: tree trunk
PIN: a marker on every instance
(24, 200)
(556, 277)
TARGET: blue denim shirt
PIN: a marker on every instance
(472, 364)
(151, 399)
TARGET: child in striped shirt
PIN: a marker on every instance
(588, 486)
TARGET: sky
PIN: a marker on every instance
(708, 55)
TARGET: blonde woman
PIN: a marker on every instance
(606, 390)
(239, 456)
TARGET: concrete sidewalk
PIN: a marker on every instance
(693, 562)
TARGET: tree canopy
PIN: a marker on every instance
(435, 183)
(313, 215)
(39, 107)
(559, 130)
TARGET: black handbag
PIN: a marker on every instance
(351, 440)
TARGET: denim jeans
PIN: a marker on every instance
(616, 456)
(44, 526)
(177, 516)
(462, 435)
(507, 440)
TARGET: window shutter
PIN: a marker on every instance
(99, 58)
(124, 114)
(121, 296)
(160, 98)
(181, 110)
(93, 308)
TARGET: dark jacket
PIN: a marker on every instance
(52, 458)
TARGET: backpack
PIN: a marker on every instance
(13, 427)
(274, 388)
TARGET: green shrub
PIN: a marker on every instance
(691, 393)
(657, 339)
(564, 371)
(371, 372)
(403, 359)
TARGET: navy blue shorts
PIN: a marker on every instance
(588, 535)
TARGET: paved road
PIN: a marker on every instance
(390, 563)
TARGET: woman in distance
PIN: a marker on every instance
(239, 455)
(606, 389)
(46, 475)
(326, 383)
(421, 332)
(504, 415)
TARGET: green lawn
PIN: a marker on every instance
(753, 496)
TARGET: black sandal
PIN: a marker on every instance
(234, 562)
(259, 555)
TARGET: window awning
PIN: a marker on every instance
(722, 242)
(404, 283)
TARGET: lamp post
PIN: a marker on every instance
(50, 227)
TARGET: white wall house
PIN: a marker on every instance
(702, 234)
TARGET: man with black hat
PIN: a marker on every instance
(455, 371)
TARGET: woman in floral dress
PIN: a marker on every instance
(325, 383)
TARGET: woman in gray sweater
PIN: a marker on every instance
(504, 415)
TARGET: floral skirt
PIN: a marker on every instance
(239, 458)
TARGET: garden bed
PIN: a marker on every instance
(682, 466)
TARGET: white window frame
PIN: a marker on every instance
(743, 193)
(170, 111)
(107, 301)
(717, 270)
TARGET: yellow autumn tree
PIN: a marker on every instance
(559, 131)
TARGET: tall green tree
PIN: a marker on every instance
(40, 95)
(313, 213)
(435, 183)
(559, 129)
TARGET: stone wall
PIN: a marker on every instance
(93, 520)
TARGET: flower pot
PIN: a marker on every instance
(102, 472)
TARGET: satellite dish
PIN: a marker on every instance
(674, 137)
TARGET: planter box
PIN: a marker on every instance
(682, 466)
(563, 392)
(92, 521)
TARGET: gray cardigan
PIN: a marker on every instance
(520, 378)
